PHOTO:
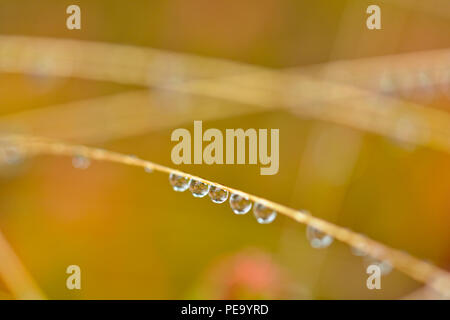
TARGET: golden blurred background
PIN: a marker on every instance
(364, 143)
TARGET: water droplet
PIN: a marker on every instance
(385, 266)
(386, 83)
(240, 204)
(264, 214)
(131, 159)
(179, 183)
(359, 252)
(12, 160)
(317, 238)
(199, 189)
(81, 162)
(218, 195)
(11, 155)
(359, 249)
(148, 169)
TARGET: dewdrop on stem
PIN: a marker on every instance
(263, 214)
(317, 238)
(198, 189)
(240, 204)
(80, 162)
(179, 183)
(384, 265)
(218, 195)
(359, 249)
(11, 155)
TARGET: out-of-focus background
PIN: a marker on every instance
(364, 143)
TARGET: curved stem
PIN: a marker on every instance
(417, 269)
(15, 275)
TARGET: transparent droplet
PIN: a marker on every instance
(11, 155)
(359, 249)
(410, 131)
(218, 195)
(81, 162)
(426, 86)
(131, 159)
(317, 238)
(386, 83)
(359, 252)
(12, 160)
(385, 266)
(199, 189)
(179, 183)
(240, 204)
(148, 169)
(264, 214)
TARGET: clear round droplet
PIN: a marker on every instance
(317, 238)
(240, 204)
(385, 266)
(179, 183)
(263, 214)
(199, 189)
(131, 159)
(80, 162)
(11, 155)
(359, 252)
(148, 169)
(218, 195)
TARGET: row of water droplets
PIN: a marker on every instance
(242, 205)
(238, 203)
(263, 214)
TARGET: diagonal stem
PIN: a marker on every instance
(16, 277)
(419, 270)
